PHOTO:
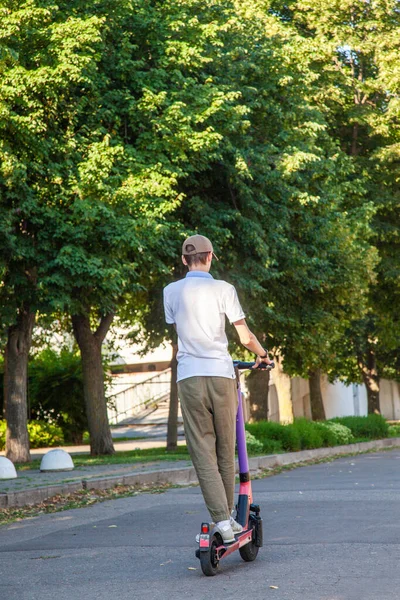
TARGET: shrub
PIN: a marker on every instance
(41, 434)
(291, 438)
(265, 429)
(272, 447)
(254, 445)
(3, 427)
(371, 427)
(394, 430)
(56, 392)
(274, 436)
(300, 435)
(338, 434)
(311, 435)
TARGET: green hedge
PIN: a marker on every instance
(303, 434)
(372, 427)
(394, 430)
(262, 437)
(338, 433)
(41, 434)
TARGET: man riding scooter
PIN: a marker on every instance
(197, 306)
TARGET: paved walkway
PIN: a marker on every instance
(33, 478)
(150, 423)
(147, 430)
(109, 475)
(331, 532)
(32, 486)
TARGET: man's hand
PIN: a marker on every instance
(260, 360)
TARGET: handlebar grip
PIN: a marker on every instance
(241, 365)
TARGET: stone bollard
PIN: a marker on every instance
(56, 460)
(7, 469)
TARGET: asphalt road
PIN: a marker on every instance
(331, 532)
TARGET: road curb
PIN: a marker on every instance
(185, 475)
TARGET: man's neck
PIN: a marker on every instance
(200, 267)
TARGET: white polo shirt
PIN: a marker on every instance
(197, 305)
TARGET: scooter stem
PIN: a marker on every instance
(245, 491)
(241, 438)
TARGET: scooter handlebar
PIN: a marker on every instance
(241, 365)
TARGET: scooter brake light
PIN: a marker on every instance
(205, 528)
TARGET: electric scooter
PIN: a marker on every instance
(211, 546)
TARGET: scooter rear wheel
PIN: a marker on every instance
(209, 559)
(249, 551)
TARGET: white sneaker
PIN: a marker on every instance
(225, 529)
(236, 527)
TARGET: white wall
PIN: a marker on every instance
(301, 398)
(339, 400)
(390, 399)
(342, 400)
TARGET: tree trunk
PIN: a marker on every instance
(172, 431)
(371, 381)
(317, 404)
(15, 386)
(93, 381)
(258, 387)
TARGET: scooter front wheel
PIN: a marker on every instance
(209, 559)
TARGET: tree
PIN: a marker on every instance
(283, 202)
(355, 45)
(257, 385)
(172, 426)
(280, 200)
(44, 58)
(131, 114)
(150, 119)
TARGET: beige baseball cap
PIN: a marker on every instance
(200, 244)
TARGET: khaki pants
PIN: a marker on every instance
(209, 407)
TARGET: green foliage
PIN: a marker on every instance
(305, 435)
(311, 434)
(3, 428)
(47, 59)
(41, 434)
(56, 392)
(354, 48)
(254, 446)
(394, 430)
(335, 433)
(280, 200)
(372, 427)
(286, 436)
(270, 127)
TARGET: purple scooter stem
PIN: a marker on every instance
(241, 436)
(245, 492)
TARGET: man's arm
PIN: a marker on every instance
(249, 341)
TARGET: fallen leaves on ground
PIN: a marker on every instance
(77, 499)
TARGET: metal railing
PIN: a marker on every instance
(134, 399)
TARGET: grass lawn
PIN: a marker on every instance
(134, 456)
(119, 458)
